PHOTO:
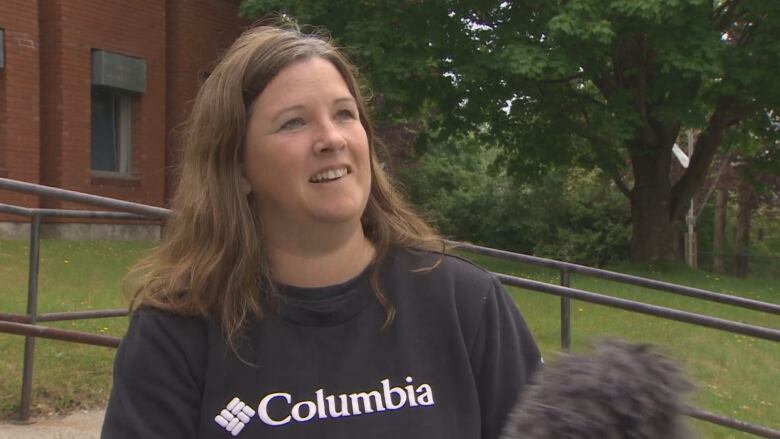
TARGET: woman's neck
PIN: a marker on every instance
(316, 258)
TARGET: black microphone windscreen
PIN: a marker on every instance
(618, 391)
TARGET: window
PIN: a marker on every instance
(2, 48)
(112, 126)
(116, 81)
(2, 102)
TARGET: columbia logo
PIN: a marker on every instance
(235, 416)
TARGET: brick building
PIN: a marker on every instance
(91, 92)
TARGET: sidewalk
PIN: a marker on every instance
(79, 425)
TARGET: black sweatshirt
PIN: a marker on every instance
(450, 365)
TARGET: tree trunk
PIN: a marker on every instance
(655, 231)
(719, 232)
(658, 208)
(654, 236)
(746, 199)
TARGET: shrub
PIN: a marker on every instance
(571, 215)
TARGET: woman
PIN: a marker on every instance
(295, 294)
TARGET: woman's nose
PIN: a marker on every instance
(329, 137)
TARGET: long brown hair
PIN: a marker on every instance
(212, 261)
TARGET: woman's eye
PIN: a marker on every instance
(292, 124)
(346, 115)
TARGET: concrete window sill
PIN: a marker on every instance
(114, 179)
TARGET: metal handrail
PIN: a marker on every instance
(682, 290)
(26, 325)
(68, 315)
(58, 334)
(79, 197)
(69, 213)
(734, 424)
(643, 308)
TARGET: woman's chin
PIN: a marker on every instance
(344, 212)
(336, 216)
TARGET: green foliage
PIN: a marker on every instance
(398, 45)
(605, 84)
(579, 73)
(592, 224)
(763, 251)
(601, 75)
(455, 188)
(765, 244)
(575, 216)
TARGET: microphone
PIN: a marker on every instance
(618, 391)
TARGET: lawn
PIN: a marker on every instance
(737, 376)
(74, 275)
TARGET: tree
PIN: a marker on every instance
(401, 46)
(600, 83)
(751, 170)
(719, 231)
(758, 183)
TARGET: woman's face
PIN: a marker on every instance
(307, 156)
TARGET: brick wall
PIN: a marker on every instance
(19, 98)
(45, 89)
(198, 32)
(73, 29)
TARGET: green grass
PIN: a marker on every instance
(74, 276)
(737, 376)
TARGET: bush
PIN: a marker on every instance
(593, 226)
(574, 215)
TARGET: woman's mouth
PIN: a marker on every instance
(329, 175)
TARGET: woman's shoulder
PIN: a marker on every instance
(160, 325)
(165, 316)
(446, 276)
(443, 265)
(156, 337)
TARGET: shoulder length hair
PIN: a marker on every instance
(212, 260)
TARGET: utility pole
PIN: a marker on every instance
(691, 247)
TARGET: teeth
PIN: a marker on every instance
(331, 174)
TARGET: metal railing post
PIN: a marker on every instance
(32, 312)
(565, 312)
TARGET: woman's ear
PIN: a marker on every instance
(243, 183)
(246, 188)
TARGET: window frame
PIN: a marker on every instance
(121, 119)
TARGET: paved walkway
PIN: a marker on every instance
(78, 425)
